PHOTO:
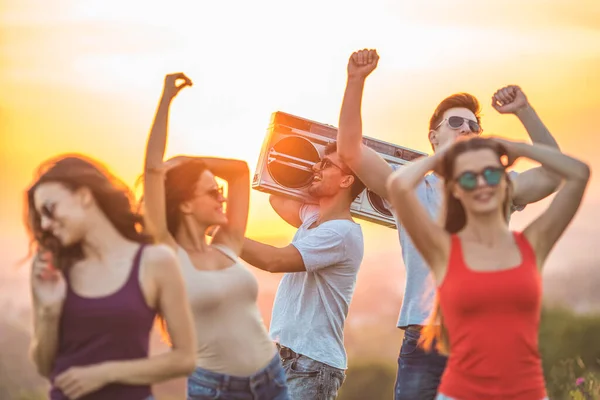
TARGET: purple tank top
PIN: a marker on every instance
(111, 328)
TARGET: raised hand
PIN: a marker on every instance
(509, 100)
(362, 63)
(174, 83)
(513, 149)
(48, 284)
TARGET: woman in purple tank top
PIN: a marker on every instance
(97, 285)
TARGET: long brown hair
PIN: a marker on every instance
(180, 186)
(113, 197)
(454, 219)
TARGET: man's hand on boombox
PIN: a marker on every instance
(362, 63)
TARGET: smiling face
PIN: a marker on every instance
(207, 204)
(331, 176)
(62, 212)
(479, 181)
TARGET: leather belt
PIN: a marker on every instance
(414, 328)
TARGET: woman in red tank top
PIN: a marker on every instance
(97, 285)
(489, 285)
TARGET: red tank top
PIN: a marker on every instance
(492, 320)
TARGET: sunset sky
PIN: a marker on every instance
(85, 76)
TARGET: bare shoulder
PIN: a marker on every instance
(159, 259)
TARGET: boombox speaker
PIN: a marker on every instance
(293, 145)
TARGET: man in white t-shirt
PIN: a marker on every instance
(320, 267)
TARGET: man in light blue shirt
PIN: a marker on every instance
(320, 266)
(419, 372)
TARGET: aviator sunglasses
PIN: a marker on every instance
(47, 210)
(468, 180)
(456, 122)
(215, 193)
(327, 163)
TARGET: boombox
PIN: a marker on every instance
(293, 145)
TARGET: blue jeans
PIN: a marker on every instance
(309, 379)
(419, 372)
(267, 384)
(444, 397)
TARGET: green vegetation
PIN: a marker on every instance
(570, 348)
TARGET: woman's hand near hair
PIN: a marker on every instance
(544, 232)
(48, 292)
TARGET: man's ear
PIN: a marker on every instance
(433, 139)
(347, 181)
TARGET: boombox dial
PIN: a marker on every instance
(290, 162)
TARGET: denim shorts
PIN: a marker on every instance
(267, 384)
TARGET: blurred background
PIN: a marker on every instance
(85, 76)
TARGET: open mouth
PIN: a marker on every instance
(317, 178)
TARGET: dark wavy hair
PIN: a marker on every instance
(454, 220)
(180, 186)
(113, 197)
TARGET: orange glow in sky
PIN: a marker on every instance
(86, 75)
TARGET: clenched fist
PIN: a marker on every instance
(362, 63)
(509, 100)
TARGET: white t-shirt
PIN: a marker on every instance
(310, 307)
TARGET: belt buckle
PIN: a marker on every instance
(285, 353)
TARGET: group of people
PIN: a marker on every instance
(104, 272)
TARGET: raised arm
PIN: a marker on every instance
(544, 232)
(537, 183)
(432, 241)
(154, 181)
(237, 175)
(364, 161)
(162, 271)
(288, 209)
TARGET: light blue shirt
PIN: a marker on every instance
(420, 287)
(311, 307)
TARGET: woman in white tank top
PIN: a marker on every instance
(182, 200)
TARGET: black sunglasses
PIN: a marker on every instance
(47, 210)
(456, 122)
(215, 193)
(327, 163)
(492, 176)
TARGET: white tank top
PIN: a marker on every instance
(231, 336)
